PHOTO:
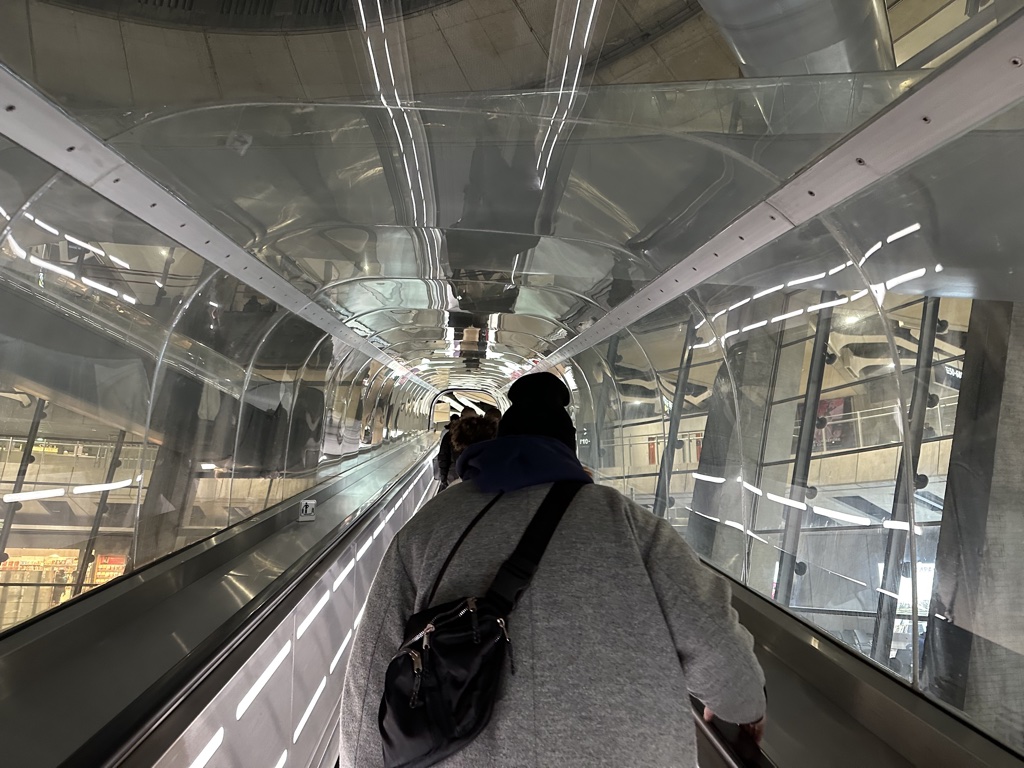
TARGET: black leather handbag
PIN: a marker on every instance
(440, 688)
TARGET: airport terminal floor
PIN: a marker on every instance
(255, 252)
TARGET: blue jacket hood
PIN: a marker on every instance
(517, 461)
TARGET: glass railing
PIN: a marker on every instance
(845, 437)
(148, 400)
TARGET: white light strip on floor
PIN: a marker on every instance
(309, 709)
(262, 680)
(343, 574)
(208, 751)
(362, 549)
(312, 615)
(980, 84)
(341, 650)
(281, 761)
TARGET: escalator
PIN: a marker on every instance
(231, 653)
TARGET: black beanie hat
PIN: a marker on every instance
(538, 408)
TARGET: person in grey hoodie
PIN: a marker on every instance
(620, 625)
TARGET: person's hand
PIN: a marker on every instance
(754, 730)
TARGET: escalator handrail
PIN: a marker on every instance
(121, 736)
(733, 746)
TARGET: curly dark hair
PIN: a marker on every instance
(472, 429)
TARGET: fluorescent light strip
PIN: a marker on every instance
(362, 549)
(709, 517)
(207, 466)
(840, 268)
(767, 292)
(359, 616)
(129, 299)
(52, 267)
(4, 213)
(739, 304)
(841, 576)
(100, 287)
(871, 252)
(388, 516)
(718, 315)
(101, 487)
(755, 326)
(753, 488)
(901, 525)
(208, 751)
(705, 345)
(827, 304)
(708, 478)
(312, 615)
(940, 617)
(841, 516)
(262, 680)
(281, 761)
(20, 252)
(887, 592)
(905, 278)
(802, 280)
(728, 335)
(51, 493)
(309, 709)
(785, 501)
(379, 528)
(341, 650)
(903, 233)
(83, 244)
(120, 262)
(343, 575)
(753, 535)
(47, 227)
(859, 295)
(787, 316)
(733, 524)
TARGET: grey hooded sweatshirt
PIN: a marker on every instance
(620, 624)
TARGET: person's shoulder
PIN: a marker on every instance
(448, 505)
(640, 518)
(610, 497)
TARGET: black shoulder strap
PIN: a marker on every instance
(515, 574)
(465, 533)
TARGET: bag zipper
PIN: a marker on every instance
(508, 641)
(417, 669)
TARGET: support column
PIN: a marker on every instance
(794, 516)
(664, 488)
(89, 551)
(974, 647)
(896, 543)
(10, 508)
